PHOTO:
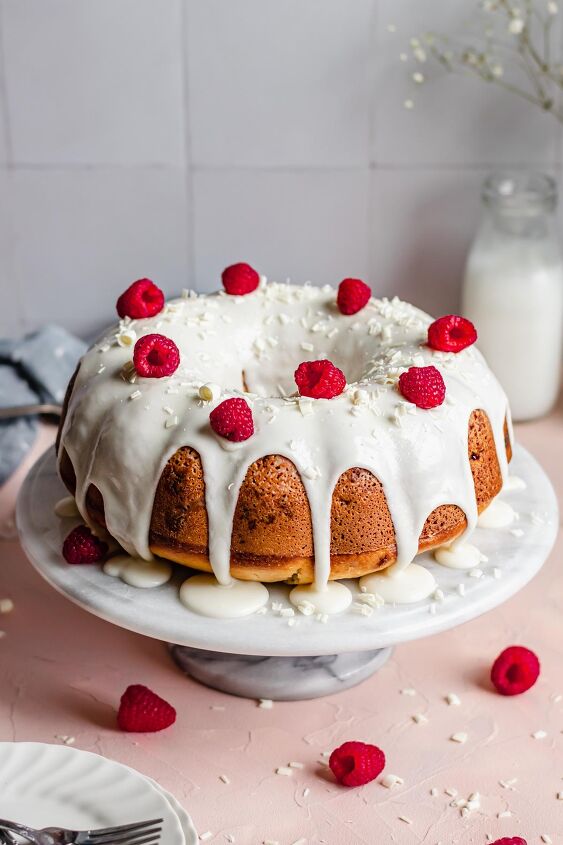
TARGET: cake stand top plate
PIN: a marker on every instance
(158, 612)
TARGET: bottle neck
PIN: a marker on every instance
(520, 204)
(525, 223)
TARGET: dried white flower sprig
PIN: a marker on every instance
(512, 48)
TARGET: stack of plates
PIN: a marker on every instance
(52, 785)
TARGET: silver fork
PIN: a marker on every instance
(10, 411)
(137, 833)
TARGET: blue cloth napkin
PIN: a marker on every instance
(36, 368)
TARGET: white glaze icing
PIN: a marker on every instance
(121, 431)
(66, 507)
(137, 572)
(513, 483)
(332, 598)
(499, 514)
(458, 556)
(205, 595)
(401, 586)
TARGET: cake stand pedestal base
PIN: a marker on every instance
(278, 678)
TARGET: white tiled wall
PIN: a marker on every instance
(281, 83)
(94, 82)
(83, 235)
(303, 224)
(170, 137)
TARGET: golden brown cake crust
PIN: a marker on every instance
(272, 532)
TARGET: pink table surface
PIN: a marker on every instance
(62, 672)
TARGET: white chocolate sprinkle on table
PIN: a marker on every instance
(389, 781)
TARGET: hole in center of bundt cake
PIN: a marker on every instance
(275, 375)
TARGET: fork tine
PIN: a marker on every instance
(123, 837)
(123, 828)
(147, 840)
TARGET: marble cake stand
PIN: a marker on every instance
(261, 656)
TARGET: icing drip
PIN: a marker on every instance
(334, 598)
(513, 483)
(66, 507)
(204, 594)
(499, 514)
(401, 586)
(137, 572)
(459, 556)
(121, 430)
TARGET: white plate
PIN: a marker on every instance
(159, 613)
(190, 833)
(51, 785)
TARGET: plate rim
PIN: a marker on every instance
(100, 760)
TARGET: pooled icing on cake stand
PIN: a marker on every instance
(137, 572)
(499, 514)
(121, 429)
(202, 594)
(401, 586)
(458, 555)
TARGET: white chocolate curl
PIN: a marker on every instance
(127, 337)
(209, 392)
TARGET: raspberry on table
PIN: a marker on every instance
(240, 279)
(143, 711)
(141, 299)
(81, 546)
(233, 420)
(353, 295)
(156, 356)
(451, 333)
(424, 386)
(510, 840)
(319, 379)
(356, 763)
(515, 670)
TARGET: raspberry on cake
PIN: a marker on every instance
(240, 279)
(353, 295)
(232, 419)
(156, 356)
(272, 484)
(319, 379)
(141, 299)
(423, 386)
(451, 334)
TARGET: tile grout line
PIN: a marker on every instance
(10, 234)
(402, 167)
(372, 138)
(372, 77)
(439, 167)
(4, 94)
(188, 164)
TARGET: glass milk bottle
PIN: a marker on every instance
(513, 289)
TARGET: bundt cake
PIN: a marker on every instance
(197, 447)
